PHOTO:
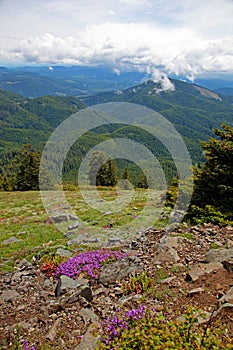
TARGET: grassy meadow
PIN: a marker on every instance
(23, 216)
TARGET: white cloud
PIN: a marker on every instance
(142, 46)
(176, 37)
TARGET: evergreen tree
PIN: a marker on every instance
(125, 179)
(102, 172)
(111, 173)
(98, 159)
(27, 170)
(142, 181)
(213, 186)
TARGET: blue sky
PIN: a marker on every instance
(180, 37)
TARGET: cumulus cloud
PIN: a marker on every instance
(144, 47)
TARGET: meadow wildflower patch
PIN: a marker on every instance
(87, 263)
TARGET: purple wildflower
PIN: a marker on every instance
(113, 326)
(87, 262)
(26, 345)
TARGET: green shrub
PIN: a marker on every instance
(145, 329)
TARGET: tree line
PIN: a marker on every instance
(212, 198)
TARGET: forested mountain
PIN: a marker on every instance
(192, 109)
(35, 81)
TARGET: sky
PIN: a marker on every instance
(188, 38)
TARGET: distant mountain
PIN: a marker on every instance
(38, 81)
(35, 81)
(192, 109)
(24, 121)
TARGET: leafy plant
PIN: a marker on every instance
(138, 283)
(144, 328)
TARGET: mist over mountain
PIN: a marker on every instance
(192, 109)
(34, 81)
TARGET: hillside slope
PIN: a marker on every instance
(192, 109)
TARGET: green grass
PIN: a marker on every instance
(24, 216)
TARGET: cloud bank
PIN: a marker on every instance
(144, 47)
(158, 37)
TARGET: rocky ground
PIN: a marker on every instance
(190, 266)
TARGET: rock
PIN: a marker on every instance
(118, 291)
(68, 283)
(69, 234)
(196, 291)
(219, 255)
(63, 252)
(201, 269)
(77, 240)
(22, 233)
(9, 295)
(228, 264)
(72, 217)
(118, 270)
(114, 241)
(90, 240)
(51, 335)
(10, 240)
(167, 280)
(88, 316)
(166, 250)
(89, 341)
(74, 226)
(86, 292)
(168, 242)
(167, 255)
(60, 218)
(228, 297)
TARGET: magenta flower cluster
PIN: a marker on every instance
(115, 325)
(26, 345)
(87, 263)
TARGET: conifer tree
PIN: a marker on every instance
(27, 170)
(97, 161)
(213, 184)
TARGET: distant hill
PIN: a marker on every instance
(192, 109)
(31, 121)
(38, 81)
(35, 81)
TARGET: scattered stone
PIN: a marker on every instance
(86, 292)
(228, 297)
(91, 240)
(228, 264)
(219, 255)
(200, 270)
(9, 295)
(10, 240)
(118, 270)
(89, 341)
(74, 226)
(69, 234)
(60, 218)
(51, 335)
(196, 291)
(114, 241)
(167, 280)
(88, 316)
(63, 252)
(68, 283)
(77, 240)
(22, 233)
